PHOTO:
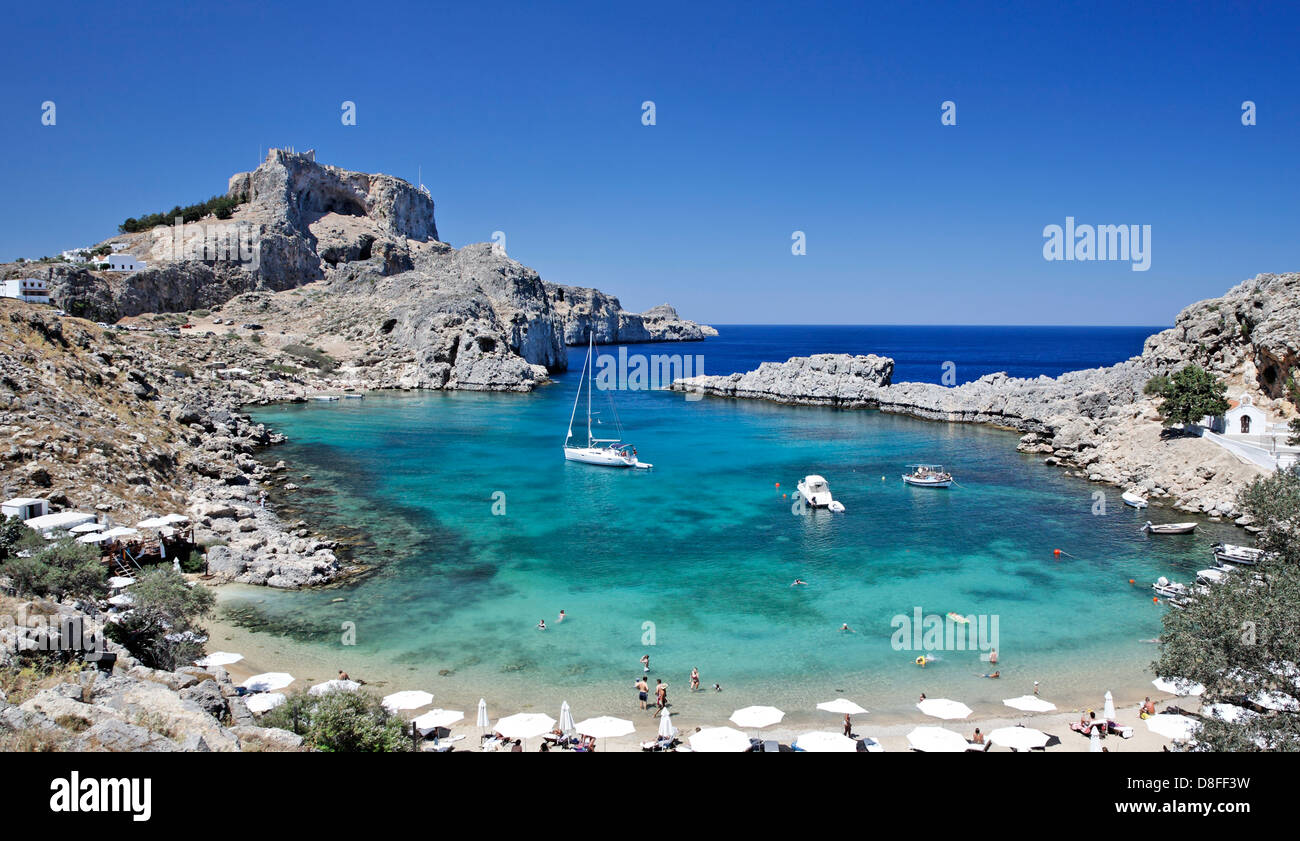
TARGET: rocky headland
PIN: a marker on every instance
(1097, 422)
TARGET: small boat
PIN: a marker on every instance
(1228, 553)
(928, 476)
(604, 452)
(1134, 499)
(1212, 576)
(816, 493)
(354, 397)
(1169, 528)
(1170, 589)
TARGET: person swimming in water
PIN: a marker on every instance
(541, 626)
(994, 675)
(799, 582)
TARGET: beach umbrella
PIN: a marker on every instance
(173, 519)
(1178, 686)
(151, 523)
(1278, 701)
(409, 699)
(93, 537)
(566, 718)
(1018, 738)
(1030, 704)
(1108, 708)
(605, 727)
(842, 706)
(122, 600)
(1231, 713)
(264, 701)
(334, 686)
(666, 728)
(268, 681)
(937, 740)
(943, 708)
(120, 531)
(86, 527)
(117, 582)
(719, 740)
(482, 720)
(757, 717)
(218, 658)
(1176, 727)
(434, 719)
(1094, 741)
(820, 741)
(525, 725)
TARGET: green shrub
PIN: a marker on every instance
(340, 722)
(311, 357)
(161, 626)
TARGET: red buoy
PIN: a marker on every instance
(1056, 552)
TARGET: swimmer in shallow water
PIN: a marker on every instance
(541, 626)
(799, 582)
(994, 675)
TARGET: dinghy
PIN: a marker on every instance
(1133, 499)
(1228, 553)
(1169, 528)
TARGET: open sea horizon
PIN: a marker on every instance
(476, 528)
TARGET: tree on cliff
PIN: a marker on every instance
(1239, 639)
(1190, 395)
(161, 628)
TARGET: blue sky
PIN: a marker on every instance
(771, 118)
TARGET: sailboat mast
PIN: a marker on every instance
(576, 398)
(591, 345)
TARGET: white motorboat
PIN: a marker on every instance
(1170, 589)
(1169, 528)
(928, 476)
(816, 493)
(1228, 553)
(1134, 499)
(605, 452)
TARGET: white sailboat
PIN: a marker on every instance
(605, 452)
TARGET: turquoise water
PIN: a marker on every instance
(705, 547)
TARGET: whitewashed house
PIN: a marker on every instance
(24, 508)
(32, 289)
(124, 263)
(1245, 418)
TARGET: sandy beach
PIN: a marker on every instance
(309, 664)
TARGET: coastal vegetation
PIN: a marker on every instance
(41, 568)
(1240, 639)
(161, 628)
(1189, 395)
(340, 722)
(223, 207)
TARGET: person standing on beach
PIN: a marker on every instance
(642, 691)
(661, 696)
(695, 680)
(848, 725)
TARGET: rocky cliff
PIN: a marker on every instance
(418, 312)
(584, 311)
(1097, 421)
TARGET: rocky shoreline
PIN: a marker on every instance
(1096, 422)
(130, 708)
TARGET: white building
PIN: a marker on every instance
(24, 508)
(124, 263)
(1246, 431)
(33, 289)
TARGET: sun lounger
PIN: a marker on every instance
(972, 747)
(771, 746)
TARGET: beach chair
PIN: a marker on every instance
(974, 748)
(771, 746)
